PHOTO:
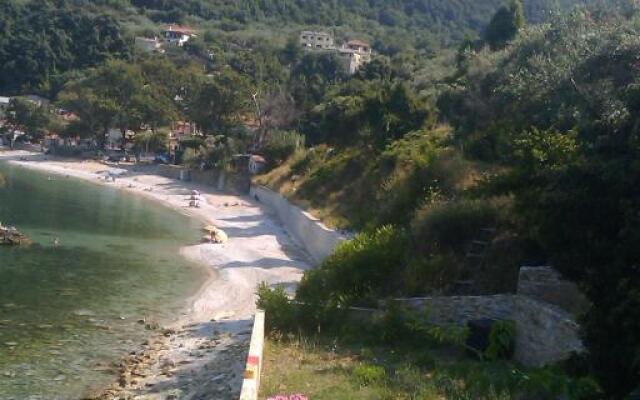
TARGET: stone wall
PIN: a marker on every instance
(306, 230)
(172, 171)
(545, 333)
(458, 310)
(234, 183)
(544, 310)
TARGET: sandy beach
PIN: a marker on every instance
(201, 354)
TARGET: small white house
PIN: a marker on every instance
(177, 35)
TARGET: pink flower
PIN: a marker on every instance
(292, 397)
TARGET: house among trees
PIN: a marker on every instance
(316, 40)
(178, 35)
(182, 131)
(353, 54)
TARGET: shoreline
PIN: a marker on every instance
(202, 354)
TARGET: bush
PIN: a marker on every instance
(451, 226)
(280, 313)
(360, 271)
(369, 374)
(429, 275)
(501, 340)
(407, 327)
(282, 145)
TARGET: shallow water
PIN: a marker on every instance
(67, 311)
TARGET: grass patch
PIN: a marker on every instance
(330, 371)
(321, 372)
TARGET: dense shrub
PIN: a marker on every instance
(559, 107)
(360, 271)
(425, 275)
(443, 226)
(281, 145)
(280, 312)
(501, 340)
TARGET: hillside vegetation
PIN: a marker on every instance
(410, 21)
(535, 141)
(41, 41)
(517, 144)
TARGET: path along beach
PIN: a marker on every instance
(201, 354)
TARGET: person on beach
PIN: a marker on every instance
(56, 242)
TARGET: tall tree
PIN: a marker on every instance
(505, 24)
(220, 102)
(31, 119)
(119, 95)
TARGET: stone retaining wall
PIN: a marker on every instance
(457, 310)
(234, 183)
(545, 334)
(544, 310)
(306, 230)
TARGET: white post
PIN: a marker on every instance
(251, 382)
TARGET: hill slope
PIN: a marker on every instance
(414, 21)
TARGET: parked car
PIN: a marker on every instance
(116, 157)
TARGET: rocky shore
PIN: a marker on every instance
(194, 362)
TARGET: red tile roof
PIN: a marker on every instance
(181, 29)
(357, 42)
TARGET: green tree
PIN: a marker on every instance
(505, 24)
(31, 119)
(220, 102)
(121, 95)
(150, 142)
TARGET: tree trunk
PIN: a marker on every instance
(124, 139)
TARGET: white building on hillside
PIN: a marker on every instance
(353, 54)
(359, 47)
(178, 35)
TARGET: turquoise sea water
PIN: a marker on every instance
(67, 310)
